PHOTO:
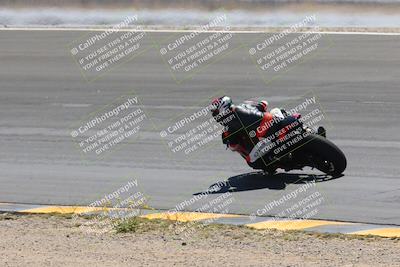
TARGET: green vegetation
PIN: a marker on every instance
(141, 225)
(138, 224)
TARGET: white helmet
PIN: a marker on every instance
(220, 105)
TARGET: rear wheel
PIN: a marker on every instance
(326, 156)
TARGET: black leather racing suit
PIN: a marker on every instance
(242, 120)
(241, 125)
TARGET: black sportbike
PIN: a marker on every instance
(295, 146)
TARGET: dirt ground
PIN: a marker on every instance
(54, 240)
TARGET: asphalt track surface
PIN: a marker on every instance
(42, 93)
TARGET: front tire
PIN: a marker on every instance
(329, 158)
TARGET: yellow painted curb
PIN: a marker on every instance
(291, 224)
(174, 216)
(187, 216)
(65, 209)
(385, 232)
(197, 216)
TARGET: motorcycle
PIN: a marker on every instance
(296, 146)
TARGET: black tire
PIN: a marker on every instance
(327, 152)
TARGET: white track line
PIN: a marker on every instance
(212, 31)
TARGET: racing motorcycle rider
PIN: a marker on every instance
(247, 126)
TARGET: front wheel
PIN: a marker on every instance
(326, 156)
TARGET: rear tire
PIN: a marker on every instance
(332, 160)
